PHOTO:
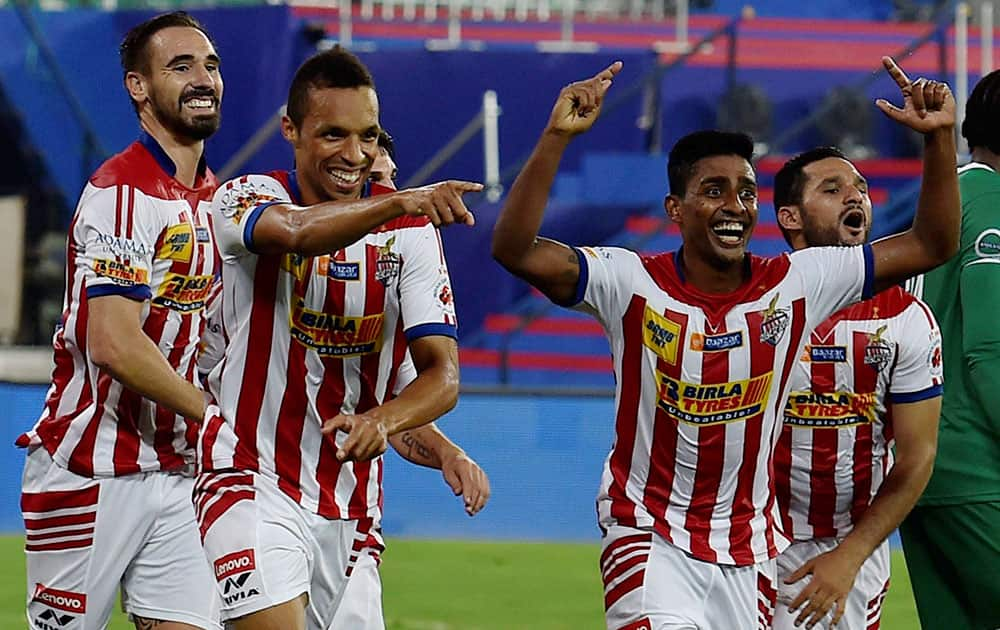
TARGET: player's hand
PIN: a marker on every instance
(833, 576)
(927, 105)
(579, 104)
(466, 478)
(367, 436)
(441, 202)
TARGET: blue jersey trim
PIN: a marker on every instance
(163, 159)
(426, 330)
(251, 222)
(908, 397)
(140, 292)
(581, 282)
(868, 290)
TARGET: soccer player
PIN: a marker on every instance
(323, 294)
(869, 380)
(384, 169)
(952, 538)
(107, 482)
(703, 342)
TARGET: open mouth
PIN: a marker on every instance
(854, 220)
(729, 232)
(200, 104)
(344, 179)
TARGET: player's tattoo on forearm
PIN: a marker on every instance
(412, 443)
(141, 623)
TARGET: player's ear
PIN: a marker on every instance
(672, 204)
(790, 218)
(135, 85)
(289, 130)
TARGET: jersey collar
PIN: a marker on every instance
(163, 159)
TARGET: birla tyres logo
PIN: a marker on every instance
(701, 404)
(234, 573)
(335, 335)
(61, 608)
(832, 410)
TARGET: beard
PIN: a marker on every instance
(197, 127)
(817, 235)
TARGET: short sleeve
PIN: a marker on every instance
(426, 298)
(212, 346)
(980, 241)
(115, 238)
(918, 373)
(602, 290)
(834, 277)
(237, 206)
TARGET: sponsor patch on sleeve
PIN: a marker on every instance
(236, 201)
(988, 243)
(120, 273)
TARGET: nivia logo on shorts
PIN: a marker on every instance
(235, 573)
(49, 619)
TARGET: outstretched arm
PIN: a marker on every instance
(332, 225)
(550, 266)
(928, 108)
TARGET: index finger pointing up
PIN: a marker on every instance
(896, 72)
(609, 73)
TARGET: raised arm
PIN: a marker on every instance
(928, 108)
(332, 225)
(549, 266)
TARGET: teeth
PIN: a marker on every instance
(348, 178)
(729, 232)
(199, 102)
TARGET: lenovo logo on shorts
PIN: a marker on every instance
(233, 563)
(59, 609)
(235, 573)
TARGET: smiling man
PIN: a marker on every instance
(704, 340)
(868, 383)
(108, 477)
(324, 292)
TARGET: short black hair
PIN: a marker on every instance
(790, 180)
(386, 142)
(981, 127)
(333, 68)
(702, 144)
(132, 51)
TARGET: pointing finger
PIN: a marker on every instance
(896, 72)
(609, 73)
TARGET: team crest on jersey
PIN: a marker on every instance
(935, 360)
(183, 293)
(121, 273)
(824, 354)
(703, 405)
(53, 609)
(878, 352)
(177, 243)
(834, 410)
(242, 197)
(442, 291)
(661, 335)
(716, 343)
(775, 322)
(387, 262)
(237, 576)
(336, 335)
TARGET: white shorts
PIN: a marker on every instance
(85, 537)
(864, 604)
(266, 549)
(649, 584)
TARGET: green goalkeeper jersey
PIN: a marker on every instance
(964, 294)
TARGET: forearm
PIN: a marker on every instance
(894, 500)
(937, 221)
(140, 366)
(432, 394)
(324, 227)
(518, 224)
(425, 446)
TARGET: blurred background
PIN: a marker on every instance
(465, 87)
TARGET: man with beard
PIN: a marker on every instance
(869, 380)
(107, 485)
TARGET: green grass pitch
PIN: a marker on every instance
(462, 585)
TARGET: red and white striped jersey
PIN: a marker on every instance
(835, 448)
(138, 233)
(309, 338)
(700, 382)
